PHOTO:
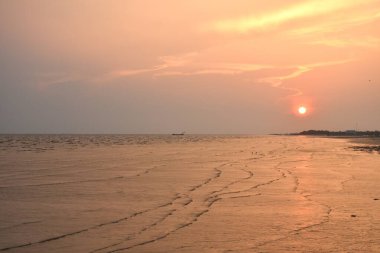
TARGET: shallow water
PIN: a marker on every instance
(156, 193)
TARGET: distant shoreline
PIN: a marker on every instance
(370, 140)
(345, 134)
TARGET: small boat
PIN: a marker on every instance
(183, 133)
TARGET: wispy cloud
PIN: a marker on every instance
(336, 25)
(212, 68)
(190, 65)
(44, 80)
(368, 42)
(165, 62)
(294, 12)
(278, 81)
(133, 72)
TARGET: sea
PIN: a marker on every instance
(187, 193)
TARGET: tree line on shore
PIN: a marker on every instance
(340, 133)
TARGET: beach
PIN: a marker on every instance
(191, 193)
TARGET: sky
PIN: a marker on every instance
(204, 67)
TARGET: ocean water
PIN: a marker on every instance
(162, 193)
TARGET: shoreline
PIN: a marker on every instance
(365, 140)
(365, 144)
(369, 145)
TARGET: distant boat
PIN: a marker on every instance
(183, 133)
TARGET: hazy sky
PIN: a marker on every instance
(216, 66)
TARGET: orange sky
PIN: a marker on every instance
(147, 66)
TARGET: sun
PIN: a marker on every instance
(302, 110)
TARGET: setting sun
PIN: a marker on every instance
(302, 110)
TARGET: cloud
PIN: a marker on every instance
(196, 63)
(336, 25)
(132, 72)
(214, 68)
(369, 42)
(277, 81)
(44, 80)
(302, 10)
(166, 62)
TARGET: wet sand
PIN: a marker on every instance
(371, 145)
(188, 194)
(370, 141)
